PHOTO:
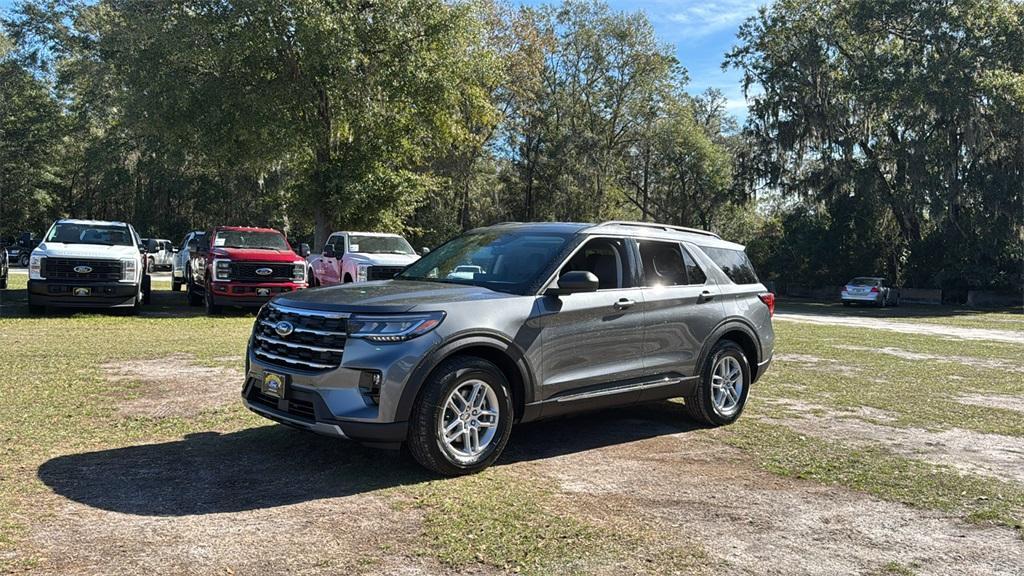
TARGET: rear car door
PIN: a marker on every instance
(592, 341)
(681, 308)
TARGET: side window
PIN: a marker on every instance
(734, 263)
(694, 274)
(184, 243)
(662, 263)
(606, 258)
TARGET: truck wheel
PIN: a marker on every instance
(348, 279)
(211, 307)
(176, 285)
(151, 264)
(23, 260)
(3, 284)
(722, 392)
(147, 289)
(193, 298)
(462, 419)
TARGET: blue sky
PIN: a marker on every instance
(701, 31)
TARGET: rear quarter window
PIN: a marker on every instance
(734, 263)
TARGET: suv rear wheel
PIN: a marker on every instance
(722, 393)
(461, 422)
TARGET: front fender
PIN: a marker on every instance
(454, 345)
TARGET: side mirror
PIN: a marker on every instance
(328, 251)
(575, 281)
(424, 251)
(151, 246)
(304, 250)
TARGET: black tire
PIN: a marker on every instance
(175, 285)
(147, 289)
(700, 406)
(424, 440)
(23, 260)
(348, 279)
(3, 284)
(151, 264)
(194, 298)
(212, 308)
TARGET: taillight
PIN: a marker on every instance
(874, 288)
(769, 300)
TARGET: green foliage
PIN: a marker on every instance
(897, 122)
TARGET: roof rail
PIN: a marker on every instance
(668, 227)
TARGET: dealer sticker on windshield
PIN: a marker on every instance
(273, 385)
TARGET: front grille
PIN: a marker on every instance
(246, 272)
(99, 270)
(317, 340)
(383, 272)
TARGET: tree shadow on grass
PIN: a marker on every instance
(270, 466)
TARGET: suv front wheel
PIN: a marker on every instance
(725, 382)
(462, 420)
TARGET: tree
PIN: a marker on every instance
(914, 106)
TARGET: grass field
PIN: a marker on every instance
(125, 449)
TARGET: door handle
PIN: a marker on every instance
(623, 303)
(705, 296)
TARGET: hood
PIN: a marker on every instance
(62, 250)
(387, 296)
(382, 259)
(251, 255)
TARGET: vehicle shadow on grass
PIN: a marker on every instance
(269, 466)
(163, 304)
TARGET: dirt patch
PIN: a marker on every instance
(1015, 403)
(941, 330)
(917, 356)
(691, 488)
(174, 386)
(972, 452)
(833, 366)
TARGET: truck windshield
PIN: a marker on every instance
(379, 245)
(502, 260)
(78, 233)
(250, 239)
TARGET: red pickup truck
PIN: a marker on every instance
(241, 266)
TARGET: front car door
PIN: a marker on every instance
(592, 341)
(681, 309)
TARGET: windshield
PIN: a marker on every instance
(102, 234)
(864, 282)
(250, 239)
(502, 260)
(379, 245)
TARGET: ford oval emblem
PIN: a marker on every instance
(83, 269)
(264, 271)
(284, 328)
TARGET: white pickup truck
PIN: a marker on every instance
(360, 257)
(88, 264)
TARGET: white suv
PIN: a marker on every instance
(86, 264)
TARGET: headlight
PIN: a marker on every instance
(361, 272)
(393, 328)
(35, 267)
(129, 269)
(222, 270)
(299, 272)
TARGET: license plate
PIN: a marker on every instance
(273, 385)
(263, 291)
(82, 291)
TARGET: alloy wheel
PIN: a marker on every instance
(727, 385)
(469, 421)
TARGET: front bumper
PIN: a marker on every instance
(61, 293)
(250, 295)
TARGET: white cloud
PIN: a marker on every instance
(695, 18)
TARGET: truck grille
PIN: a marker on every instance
(246, 272)
(98, 270)
(316, 342)
(383, 272)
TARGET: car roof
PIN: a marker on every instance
(649, 230)
(388, 234)
(91, 222)
(244, 229)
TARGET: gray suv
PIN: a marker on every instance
(514, 323)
